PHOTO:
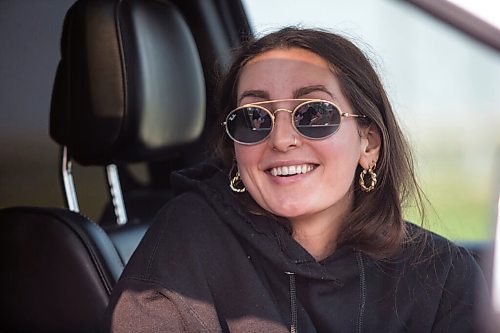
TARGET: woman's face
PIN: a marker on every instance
(325, 189)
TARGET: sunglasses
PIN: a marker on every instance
(314, 119)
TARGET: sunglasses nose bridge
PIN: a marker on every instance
(275, 114)
(283, 130)
(282, 110)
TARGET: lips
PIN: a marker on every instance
(291, 170)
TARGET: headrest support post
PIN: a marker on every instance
(67, 180)
(116, 194)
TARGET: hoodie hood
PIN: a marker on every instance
(269, 235)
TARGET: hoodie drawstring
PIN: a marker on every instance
(293, 303)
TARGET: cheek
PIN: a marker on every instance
(342, 152)
(246, 156)
(347, 137)
(248, 159)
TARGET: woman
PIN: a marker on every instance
(306, 233)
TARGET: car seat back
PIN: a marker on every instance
(129, 88)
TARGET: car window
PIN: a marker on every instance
(444, 87)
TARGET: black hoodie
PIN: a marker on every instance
(208, 265)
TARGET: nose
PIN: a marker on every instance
(283, 137)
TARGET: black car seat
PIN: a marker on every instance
(129, 88)
(58, 269)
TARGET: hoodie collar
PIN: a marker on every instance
(268, 234)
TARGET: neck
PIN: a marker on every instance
(318, 239)
(318, 234)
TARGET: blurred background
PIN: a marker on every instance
(29, 159)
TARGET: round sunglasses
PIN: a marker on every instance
(314, 119)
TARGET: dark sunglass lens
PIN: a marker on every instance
(249, 124)
(317, 120)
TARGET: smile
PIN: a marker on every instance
(291, 170)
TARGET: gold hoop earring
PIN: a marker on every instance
(236, 184)
(372, 178)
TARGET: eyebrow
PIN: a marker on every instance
(254, 93)
(296, 94)
(309, 89)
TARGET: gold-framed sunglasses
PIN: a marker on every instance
(314, 119)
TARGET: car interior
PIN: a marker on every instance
(134, 85)
(130, 87)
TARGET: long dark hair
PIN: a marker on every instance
(375, 225)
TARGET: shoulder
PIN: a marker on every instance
(426, 259)
(435, 260)
(182, 212)
(423, 246)
(184, 218)
(180, 230)
(188, 204)
(451, 273)
(434, 277)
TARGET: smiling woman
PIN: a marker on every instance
(317, 201)
(297, 225)
(322, 67)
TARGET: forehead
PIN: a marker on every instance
(283, 69)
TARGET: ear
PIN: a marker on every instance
(370, 145)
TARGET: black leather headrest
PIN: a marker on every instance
(129, 86)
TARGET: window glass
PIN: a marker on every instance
(445, 90)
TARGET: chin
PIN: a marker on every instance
(290, 212)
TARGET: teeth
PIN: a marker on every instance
(291, 170)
